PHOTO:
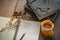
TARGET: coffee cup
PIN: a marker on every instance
(47, 27)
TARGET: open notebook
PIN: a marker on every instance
(31, 30)
(9, 33)
(28, 30)
(3, 21)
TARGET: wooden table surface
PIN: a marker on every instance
(7, 7)
(20, 5)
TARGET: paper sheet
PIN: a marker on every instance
(9, 33)
(30, 28)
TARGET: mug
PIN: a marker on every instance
(47, 27)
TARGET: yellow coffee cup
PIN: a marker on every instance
(47, 27)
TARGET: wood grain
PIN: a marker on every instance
(20, 5)
(7, 7)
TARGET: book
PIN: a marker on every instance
(3, 21)
(42, 8)
(28, 30)
(9, 33)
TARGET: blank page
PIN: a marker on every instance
(30, 28)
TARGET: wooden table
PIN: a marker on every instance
(20, 5)
(7, 7)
